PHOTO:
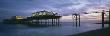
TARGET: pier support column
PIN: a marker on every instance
(58, 21)
(52, 21)
(79, 20)
(46, 22)
(109, 17)
(103, 19)
(37, 21)
(76, 20)
(73, 17)
(55, 22)
(40, 21)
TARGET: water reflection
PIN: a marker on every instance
(65, 29)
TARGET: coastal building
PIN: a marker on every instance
(17, 17)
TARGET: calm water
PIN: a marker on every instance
(65, 29)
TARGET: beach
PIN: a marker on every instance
(98, 32)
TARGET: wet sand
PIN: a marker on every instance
(99, 32)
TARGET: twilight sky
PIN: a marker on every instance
(65, 7)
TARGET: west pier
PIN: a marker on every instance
(40, 18)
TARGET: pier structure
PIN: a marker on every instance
(76, 19)
(45, 18)
(40, 18)
(109, 17)
(14, 20)
(103, 17)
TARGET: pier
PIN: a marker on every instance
(44, 18)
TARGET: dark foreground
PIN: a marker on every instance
(99, 32)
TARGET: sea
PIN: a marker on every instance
(66, 28)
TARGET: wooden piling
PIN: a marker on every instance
(103, 19)
(58, 22)
(46, 22)
(55, 22)
(52, 21)
(73, 18)
(76, 20)
(79, 20)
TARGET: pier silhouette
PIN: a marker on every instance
(44, 18)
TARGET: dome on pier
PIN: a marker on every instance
(43, 13)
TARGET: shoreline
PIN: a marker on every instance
(98, 32)
(101, 23)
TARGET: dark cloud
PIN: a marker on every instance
(26, 7)
(65, 5)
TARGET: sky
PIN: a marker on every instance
(64, 7)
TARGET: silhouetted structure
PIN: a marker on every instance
(76, 18)
(37, 18)
(45, 17)
(109, 17)
(103, 12)
(103, 19)
(14, 20)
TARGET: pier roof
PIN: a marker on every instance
(44, 13)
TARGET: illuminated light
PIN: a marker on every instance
(33, 14)
(19, 17)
